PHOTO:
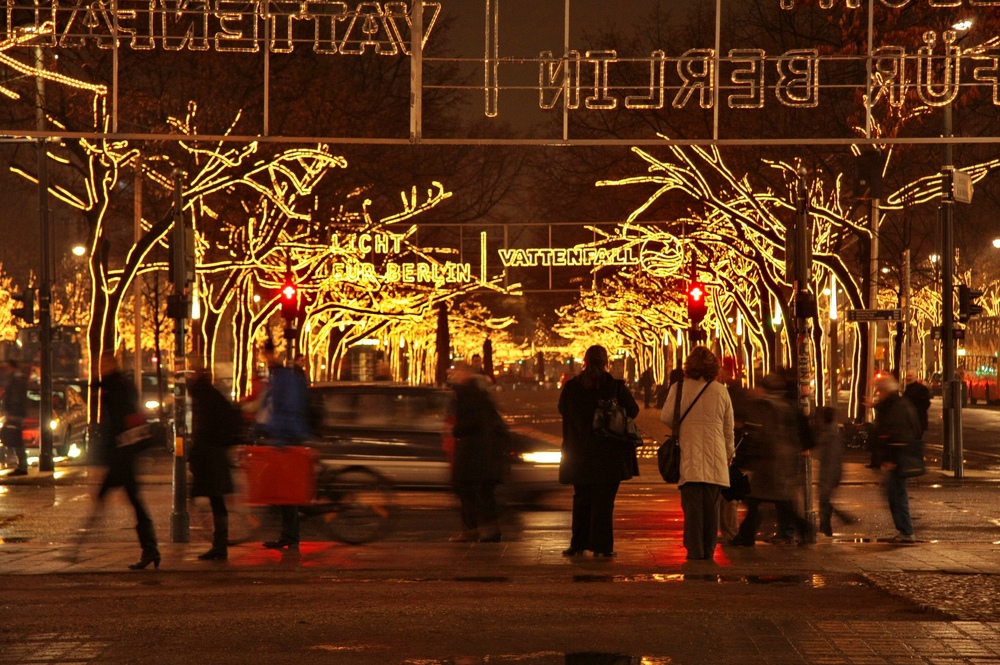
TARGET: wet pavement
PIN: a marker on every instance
(853, 598)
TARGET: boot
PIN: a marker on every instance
(467, 536)
(220, 541)
(825, 527)
(150, 550)
(492, 531)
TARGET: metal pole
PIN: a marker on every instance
(45, 461)
(137, 286)
(951, 389)
(179, 518)
(873, 220)
(804, 310)
(417, 72)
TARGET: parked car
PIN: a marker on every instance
(401, 432)
(935, 384)
(70, 434)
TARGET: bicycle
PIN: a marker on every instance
(352, 505)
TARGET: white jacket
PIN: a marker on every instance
(706, 434)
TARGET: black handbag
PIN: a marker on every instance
(668, 455)
(739, 485)
(613, 424)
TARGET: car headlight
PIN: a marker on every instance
(543, 457)
(152, 404)
(53, 424)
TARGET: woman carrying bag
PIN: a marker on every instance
(592, 465)
(707, 449)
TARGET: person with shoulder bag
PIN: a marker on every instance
(707, 448)
(592, 464)
(119, 406)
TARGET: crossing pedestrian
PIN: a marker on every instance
(897, 426)
(119, 407)
(479, 462)
(216, 425)
(15, 408)
(284, 420)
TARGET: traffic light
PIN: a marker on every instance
(289, 299)
(967, 307)
(27, 309)
(697, 307)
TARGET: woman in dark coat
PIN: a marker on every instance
(215, 427)
(480, 457)
(119, 402)
(592, 465)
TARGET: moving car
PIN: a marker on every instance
(402, 433)
(70, 434)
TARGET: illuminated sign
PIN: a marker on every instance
(576, 256)
(225, 25)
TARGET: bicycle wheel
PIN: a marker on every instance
(355, 504)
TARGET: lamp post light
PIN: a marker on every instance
(951, 460)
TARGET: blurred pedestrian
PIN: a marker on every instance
(773, 460)
(592, 465)
(830, 446)
(897, 426)
(664, 388)
(119, 409)
(382, 370)
(646, 383)
(15, 408)
(919, 396)
(215, 425)
(479, 460)
(301, 365)
(286, 423)
(707, 448)
(729, 510)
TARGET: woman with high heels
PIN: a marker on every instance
(215, 426)
(118, 403)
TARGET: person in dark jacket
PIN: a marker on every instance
(215, 427)
(919, 396)
(479, 456)
(592, 465)
(896, 426)
(118, 408)
(772, 456)
(15, 408)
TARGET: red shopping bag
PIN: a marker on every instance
(280, 476)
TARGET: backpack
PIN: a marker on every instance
(611, 423)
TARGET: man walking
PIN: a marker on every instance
(919, 395)
(15, 407)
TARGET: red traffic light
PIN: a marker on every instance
(697, 307)
(289, 300)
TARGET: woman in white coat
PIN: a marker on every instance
(707, 450)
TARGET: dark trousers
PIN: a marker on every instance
(478, 505)
(789, 522)
(220, 521)
(124, 476)
(290, 524)
(593, 517)
(700, 503)
(899, 502)
(13, 437)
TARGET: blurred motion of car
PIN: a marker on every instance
(401, 432)
(70, 434)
